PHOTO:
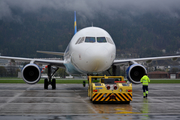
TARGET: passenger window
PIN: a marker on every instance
(90, 39)
(101, 39)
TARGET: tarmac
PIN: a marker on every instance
(70, 102)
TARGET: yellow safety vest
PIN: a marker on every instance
(145, 80)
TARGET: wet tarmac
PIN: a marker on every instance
(70, 102)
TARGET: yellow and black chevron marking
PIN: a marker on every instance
(112, 97)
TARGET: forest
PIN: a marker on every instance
(149, 34)
(146, 35)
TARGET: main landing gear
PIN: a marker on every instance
(115, 70)
(49, 81)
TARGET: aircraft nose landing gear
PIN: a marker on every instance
(49, 81)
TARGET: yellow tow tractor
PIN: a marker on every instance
(109, 89)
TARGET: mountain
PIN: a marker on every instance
(135, 36)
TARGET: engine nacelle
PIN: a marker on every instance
(135, 72)
(31, 73)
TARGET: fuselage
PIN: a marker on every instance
(91, 50)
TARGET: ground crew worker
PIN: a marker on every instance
(145, 80)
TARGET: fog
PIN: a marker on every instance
(89, 8)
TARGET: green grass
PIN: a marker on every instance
(19, 80)
(165, 81)
(42, 81)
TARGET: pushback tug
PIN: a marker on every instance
(109, 89)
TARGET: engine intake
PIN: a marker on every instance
(31, 73)
(135, 72)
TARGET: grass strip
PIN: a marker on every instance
(42, 81)
(80, 81)
(165, 81)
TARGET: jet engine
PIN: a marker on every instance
(135, 72)
(31, 73)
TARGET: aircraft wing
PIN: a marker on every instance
(59, 63)
(147, 60)
(51, 53)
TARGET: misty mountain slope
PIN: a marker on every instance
(141, 28)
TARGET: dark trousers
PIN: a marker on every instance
(145, 88)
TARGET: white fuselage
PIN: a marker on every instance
(91, 50)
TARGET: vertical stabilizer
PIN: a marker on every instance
(75, 25)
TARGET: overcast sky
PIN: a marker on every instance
(90, 7)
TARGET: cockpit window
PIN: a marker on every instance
(80, 40)
(109, 40)
(94, 39)
(90, 39)
(101, 39)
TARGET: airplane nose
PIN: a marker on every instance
(97, 59)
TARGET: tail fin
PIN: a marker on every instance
(75, 25)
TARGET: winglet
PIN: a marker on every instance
(75, 25)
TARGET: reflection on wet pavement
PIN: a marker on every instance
(70, 101)
(114, 109)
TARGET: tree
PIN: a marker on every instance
(3, 71)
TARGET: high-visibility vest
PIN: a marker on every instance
(145, 80)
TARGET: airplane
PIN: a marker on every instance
(91, 50)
